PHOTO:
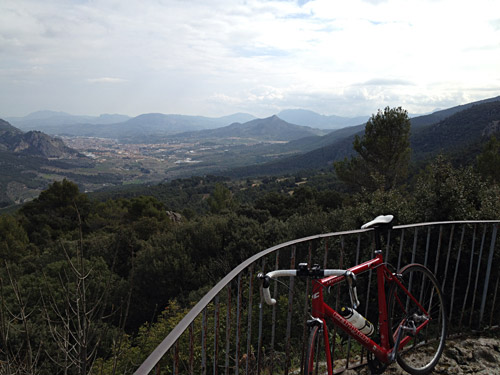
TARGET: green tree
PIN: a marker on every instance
(13, 239)
(488, 162)
(221, 199)
(57, 211)
(446, 193)
(383, 152)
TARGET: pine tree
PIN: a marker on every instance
(383, 152)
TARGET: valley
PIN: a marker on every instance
(132, 152)
(106, 162)
(149, 162)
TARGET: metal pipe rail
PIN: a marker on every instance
(464, 256)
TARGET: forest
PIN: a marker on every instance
(91, 283)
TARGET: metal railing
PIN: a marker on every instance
(231, 331)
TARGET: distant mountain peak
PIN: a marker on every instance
(271, 128)
(33, 143)
(45, 114)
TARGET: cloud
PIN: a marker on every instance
(258, 55)
(387, 82)
(495, 24)
(106, 80)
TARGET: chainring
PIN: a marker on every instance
(374, 364)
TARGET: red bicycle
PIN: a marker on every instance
(411, 315)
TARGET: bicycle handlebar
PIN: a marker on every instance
(313, 273)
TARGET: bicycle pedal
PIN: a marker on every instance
(412, 331)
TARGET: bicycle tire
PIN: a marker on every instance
(316, 361)
(422, 352)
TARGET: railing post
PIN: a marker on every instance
(325, 258)
(453, 287)
(488, 272)
(438, 251)
(483, 239)
(228, 329)
(238, 326)
(273, 318)
(204, 342)
(290, 310)
(216, 334)
(261, 317)
(249, 326)
(448, 257)
(401, 248)
(471, 263)
(414, 251)
(304, 320)
(494, 302)
(191, 348)
(427, 244)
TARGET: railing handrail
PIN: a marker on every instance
(172, 337)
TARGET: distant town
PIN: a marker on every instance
(102, 149)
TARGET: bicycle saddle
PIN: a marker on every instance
(378, 221)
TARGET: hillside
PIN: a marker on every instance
(465, 126)
(30, 161)
(268, 129)
(437, 116)
(34, 143)
(315, 120)
(7, 129)
(458, 131)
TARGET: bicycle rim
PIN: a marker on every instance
(420, 352)
(316, 361)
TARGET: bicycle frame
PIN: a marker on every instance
(321, 310)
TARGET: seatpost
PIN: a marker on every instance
(379, 230)
(381, 222)
(378, 242)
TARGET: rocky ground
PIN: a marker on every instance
(471, 355)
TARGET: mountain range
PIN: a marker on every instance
(237, 146)
(459, 130)
(148, 127)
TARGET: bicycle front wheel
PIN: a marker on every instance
(419, 322)
(316, 362)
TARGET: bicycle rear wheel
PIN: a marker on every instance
(316, 362)
(422, 325)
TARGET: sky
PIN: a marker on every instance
(218, 57)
